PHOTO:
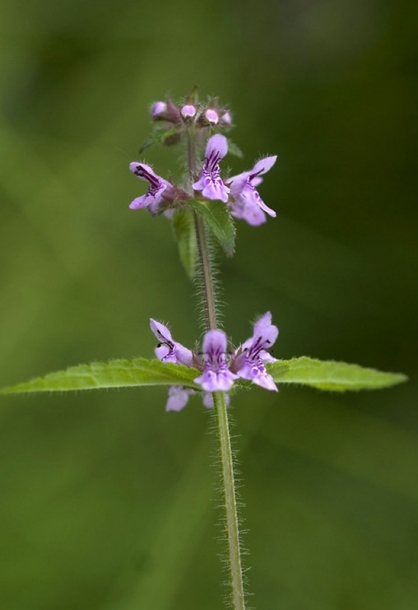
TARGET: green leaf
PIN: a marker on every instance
(113, 374)
(158, 136)
(185, 233)
(330, 375)
(219, 221)
(235, 150)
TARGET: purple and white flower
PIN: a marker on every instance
(169, 350)
(216, 376)
(188, 111)
(158, 109)
(212, 116)
(250, 358)
(226, 118)
(178, 397)
(159, 190)
(210, 181)
(247, 202)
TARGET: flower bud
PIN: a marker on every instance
(211, 116)
(188, 111)
(226, 118)
(158, 109)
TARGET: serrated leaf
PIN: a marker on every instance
(113, 374)
(235, 150)
(185, 234)
(330, 375)
(219, 221)
(158, 136)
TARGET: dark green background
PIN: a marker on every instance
(106, 501)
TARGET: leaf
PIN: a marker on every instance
(235, 150)
(158, 136)
(219, 220)
(185, 233)
(324, 375)
(330, 375)
(113, 374)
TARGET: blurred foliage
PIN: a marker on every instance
(107, 501)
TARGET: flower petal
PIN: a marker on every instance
(178, 397)
(214, 345)
(216, 376)
(250, 356)
(265, 331)
(210, 181)
(264, 165)
(158, 108)
(188, 111)
(217, 146)
(160, 331)
(220, 380)
(170, 350)
(247, 210)
(158, 187)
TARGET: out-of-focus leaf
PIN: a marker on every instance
(158, 136)
(235, 150)
(330, 375)
(185, 233)
(113, 374)
(219, 221)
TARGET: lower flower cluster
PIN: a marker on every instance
(219, 368)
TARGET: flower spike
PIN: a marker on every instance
(210, 181)
(247, 202)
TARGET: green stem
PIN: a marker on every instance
(222, 424)
(230, 499)
(206, 272)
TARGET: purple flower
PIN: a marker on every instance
(178, 397)
(188, 111)
(218, 370)
(210, 181)
(159, 190)
(226, 118)
(158, 109)
(216, 376)
(212, 116)
(247, 202)
(251, 356)
(169, 350)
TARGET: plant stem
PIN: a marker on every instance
(230, 500)
(202, 241)
(222, 424)
(206, 272)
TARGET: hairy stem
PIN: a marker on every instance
(206, 270)
(222, 425)
(230, 500)
(206, 273)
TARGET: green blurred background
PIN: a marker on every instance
(106, 501)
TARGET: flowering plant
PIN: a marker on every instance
(202, 211)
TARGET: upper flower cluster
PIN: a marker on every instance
(239, 192)
(219, 369)
(203, 115)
